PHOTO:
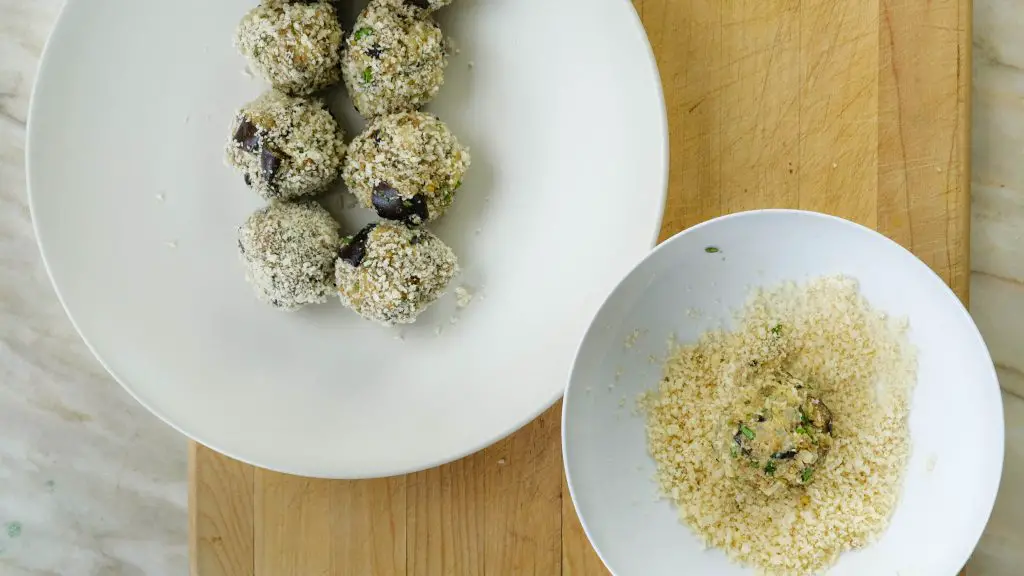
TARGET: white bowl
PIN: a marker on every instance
(956, 417)
(561, 106)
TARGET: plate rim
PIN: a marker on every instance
(46, 61)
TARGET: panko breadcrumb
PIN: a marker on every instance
(863, 368)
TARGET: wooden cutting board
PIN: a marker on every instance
(857, 108)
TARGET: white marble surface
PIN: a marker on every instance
(92, 484)
(997, 254)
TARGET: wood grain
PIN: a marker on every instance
(220, 519)
(855, 108)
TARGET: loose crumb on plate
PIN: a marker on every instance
(463, 296)
(631, 338)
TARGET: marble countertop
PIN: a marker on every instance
(94, 484)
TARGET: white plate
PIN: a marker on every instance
(561, 105)
(956, 417)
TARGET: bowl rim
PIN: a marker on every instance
(945, 290)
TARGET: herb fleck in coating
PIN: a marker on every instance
(405, 165)
(394, 274)
(288, 250)
(392, 62)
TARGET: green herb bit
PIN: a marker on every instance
(747, 432)
(457, 184)
(805, 476)
(803, 418)
(712, 250)
(362, 33)
(777, 330)
(802, 430)
(769, 468)
(734, 451)
(367, 75)
(407, 203)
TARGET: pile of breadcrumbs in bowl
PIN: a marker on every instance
(857, 361)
